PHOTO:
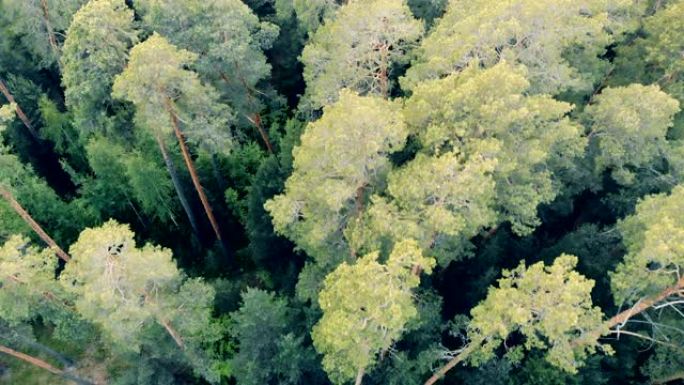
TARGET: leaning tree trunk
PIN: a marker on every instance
(48, 27)
(20, 113)
(191, 168)
(177, 185)
(43, 365)
(7, 195)
(590, 337)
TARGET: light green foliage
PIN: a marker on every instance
(6, 116)
(95, 50)
(340, 155)
(487, 113)
(437, 200)
(150, 186)
(655, 55)
(560, 41)
(357, 49)
(124, 288)
(628, 126)
(654, 237)
(228, 37)
(34, 24)
(366, 306)
(158, 84)
(549, 305)
(26, 274)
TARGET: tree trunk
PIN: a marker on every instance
(191, 168)
(7, 195)
(48, 27)
(469, 349)
(43, 365)
(173, 333)
(255, 119)
(177, 185)
(359, 376)
(20, 113)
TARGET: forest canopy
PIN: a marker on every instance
(333, 192)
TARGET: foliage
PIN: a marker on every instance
(653, 238)
(336, 57)
(95, 50)
(549, 305)
(365, 309)
(559, 41)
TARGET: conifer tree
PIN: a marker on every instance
(157, 83)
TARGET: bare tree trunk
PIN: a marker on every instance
(177, 185)
(173, 333)
(359, 376)
(48, 27)
(7, 195)
(20, 113)
(468, 350)
(191, 168)
(255, 119)
(43, 365)
(590, 337)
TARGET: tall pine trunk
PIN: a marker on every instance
(43, 365)
(191, 168)
(20, 113)
(7, 195)
(177, 185)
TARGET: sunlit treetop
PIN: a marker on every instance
(157, 82)
(340, 156)
(227, 37)
(27, 273)
(310, 14)
(654, 237)
(357, 50)
(95, 50)
(549, 305)
(366, 306)
(560, 41)
(440, 201)
(628, 129)
(489, 113)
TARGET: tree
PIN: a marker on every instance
(341, 156)
(366, 306)
(440, 201)
(489, 113)
(229, 40)
(628, 133)
(124, 289)
(29, 292)
(357, 49)
(560, 41)
(550, 306)
(95, 50)
(41, 24)
(270, 351)
(157, 83)
(654, 237)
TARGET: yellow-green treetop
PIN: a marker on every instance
(356, 50)
(559, 41)
(489, 113)
(366, 306)
(340, 155)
